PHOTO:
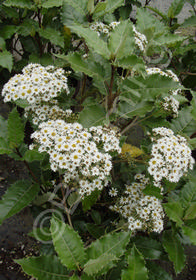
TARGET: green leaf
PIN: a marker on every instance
(32, 155)
(80, 6)
(44, 267)
(90, 6)
(18, 3)
(188, 193)
(95, 230)
(92, 40)
(174, 249)
(41, 234)
(126, 110)
(71, 17)
(131, 62)
(90, 200)
(189, 229)
(153, 191)
(78, 64)
(28, 27)
(136, 267)
(2, 44)
(67, 243)
(6, 60)
(18, 196)
(174, 211)
(193, 103)
(15, 129)
(184, 123)
(111, 243)
(175, 8)
(112, 5)
(3, 127)
(52, 3)
(52, 35)
(93, 266)
(99, 9)
(156, 272)
(7, 31)
(191, 21)
(150, 248)
(121, 43)
(190, 212)
(96, 216)
(4, 147)
(92, 116)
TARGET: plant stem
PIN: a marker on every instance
(110, 96)
(129, 125)
(65, 206)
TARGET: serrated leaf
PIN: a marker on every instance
(92, 40)
(41, 234)
(93, 266)
(112, 5)
(190, 212)
(18, 196)
(80, 6)
(7, 31)
(90, 6)
(80, 65)
(175, 8)
(90, 200)
(126, 110)
(15, 128)
(70, 17)
(189, 229)
(174, 211)
(191, 21)
(67, 243)
(52, 3)
(188, 193)
(52, 35)
(136, 267)
(150, 248)
(4, 147)
(33, 155)
(99, 9)
(131, 62)
(3, 127)
(28, 27)
(44, 267)
(92, 116)
(184, 123)
(153, 191)
(6, 60)
(18, 3)
(114, 244)
(95, 230)
(175, 250)
(156, 272)
(121, 43)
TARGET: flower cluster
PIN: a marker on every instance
(102, 28)
(140, 39)
(80, 154)
(143, 212)
(170, 104)
(171, 157)
(43, 112)
(36, 84)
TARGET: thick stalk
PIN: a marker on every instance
(65, 206)
(110, 95)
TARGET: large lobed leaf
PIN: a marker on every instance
(121, 43)
(19, 3)
(92, 116)
(67, 243)
(92, 40)
(44, 268)
(136, 267)
(70, 16)
(53, 35)
(18, 196)
(80, 6)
